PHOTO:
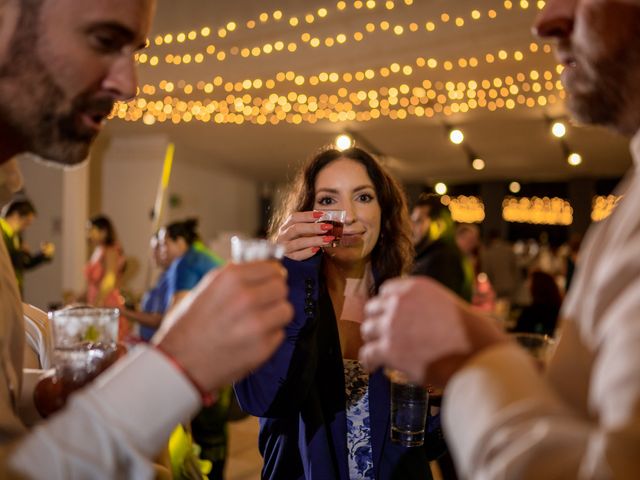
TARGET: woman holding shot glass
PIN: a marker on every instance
(321, 415)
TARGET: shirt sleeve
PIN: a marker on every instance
(112, 429)
(186, 277)
(503, 421)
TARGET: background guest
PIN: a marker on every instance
(155, 301)
(17, 216)
(542, 315)
(192, 260)
(437, 255)
(104, 270)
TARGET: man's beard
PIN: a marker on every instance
(604, 102)
(611, 98)
(32, 104)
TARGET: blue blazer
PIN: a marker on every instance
(300, 396)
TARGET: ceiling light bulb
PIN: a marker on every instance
(574, 159)
(559, 130)
(456, 136)
(344, 142)
(478, 164)
(440, 188)
(514, 187)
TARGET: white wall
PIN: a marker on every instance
(60, 197)
(131, 169)
(130, 173)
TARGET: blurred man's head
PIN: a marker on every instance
(468, 238)
(598, 42)
(63, 65)
(430, 219)
(19, 214)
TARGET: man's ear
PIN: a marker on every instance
(10, 179)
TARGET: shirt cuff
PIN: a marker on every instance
(490, 388)
(147, 396)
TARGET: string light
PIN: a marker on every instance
(538, 211)
(359, 76)
(306, 37)
(396, 103)
(466, 209)
(602, 206)
(514, 187)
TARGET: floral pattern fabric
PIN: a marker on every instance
(360, 455)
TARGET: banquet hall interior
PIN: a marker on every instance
(453, 97)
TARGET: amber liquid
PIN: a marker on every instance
(76, 367)
(336, 231)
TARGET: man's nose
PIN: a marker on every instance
(556, 20)
(122, 78)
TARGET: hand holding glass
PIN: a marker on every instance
(85, 344)
(336, 219)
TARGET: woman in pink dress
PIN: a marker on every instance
(104, 269)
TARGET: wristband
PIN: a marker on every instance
(207, 398)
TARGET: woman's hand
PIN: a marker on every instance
(301, 235)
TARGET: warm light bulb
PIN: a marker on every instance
(456, 136)
(440, 188)
(478, 164)
(574, 159)
(514, 187)
(559, 129)
(344, 142)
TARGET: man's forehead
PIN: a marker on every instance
(135, 15)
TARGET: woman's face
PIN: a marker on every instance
(172, 248)
(95, 235)
(344, 184)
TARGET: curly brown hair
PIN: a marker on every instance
(393, 254)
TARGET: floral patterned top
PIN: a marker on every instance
(359, 454)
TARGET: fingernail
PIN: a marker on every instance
(326, 226)
(315, 249)
(317, 214)
(328, 238)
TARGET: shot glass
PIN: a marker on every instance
(336, 219)
(539, 346)
(84, 345)
(245, 250)
(409, 404)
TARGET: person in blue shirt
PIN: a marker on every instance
(155, 302)
(193, 260)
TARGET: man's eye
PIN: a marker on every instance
(106, 43)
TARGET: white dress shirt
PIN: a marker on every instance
(505, 421)
(109, 430)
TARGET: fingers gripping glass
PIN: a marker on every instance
(336, 219)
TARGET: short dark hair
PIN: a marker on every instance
(393, 253)
(434, 203)
(21, 207)
(187, 229)
(104, 224)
